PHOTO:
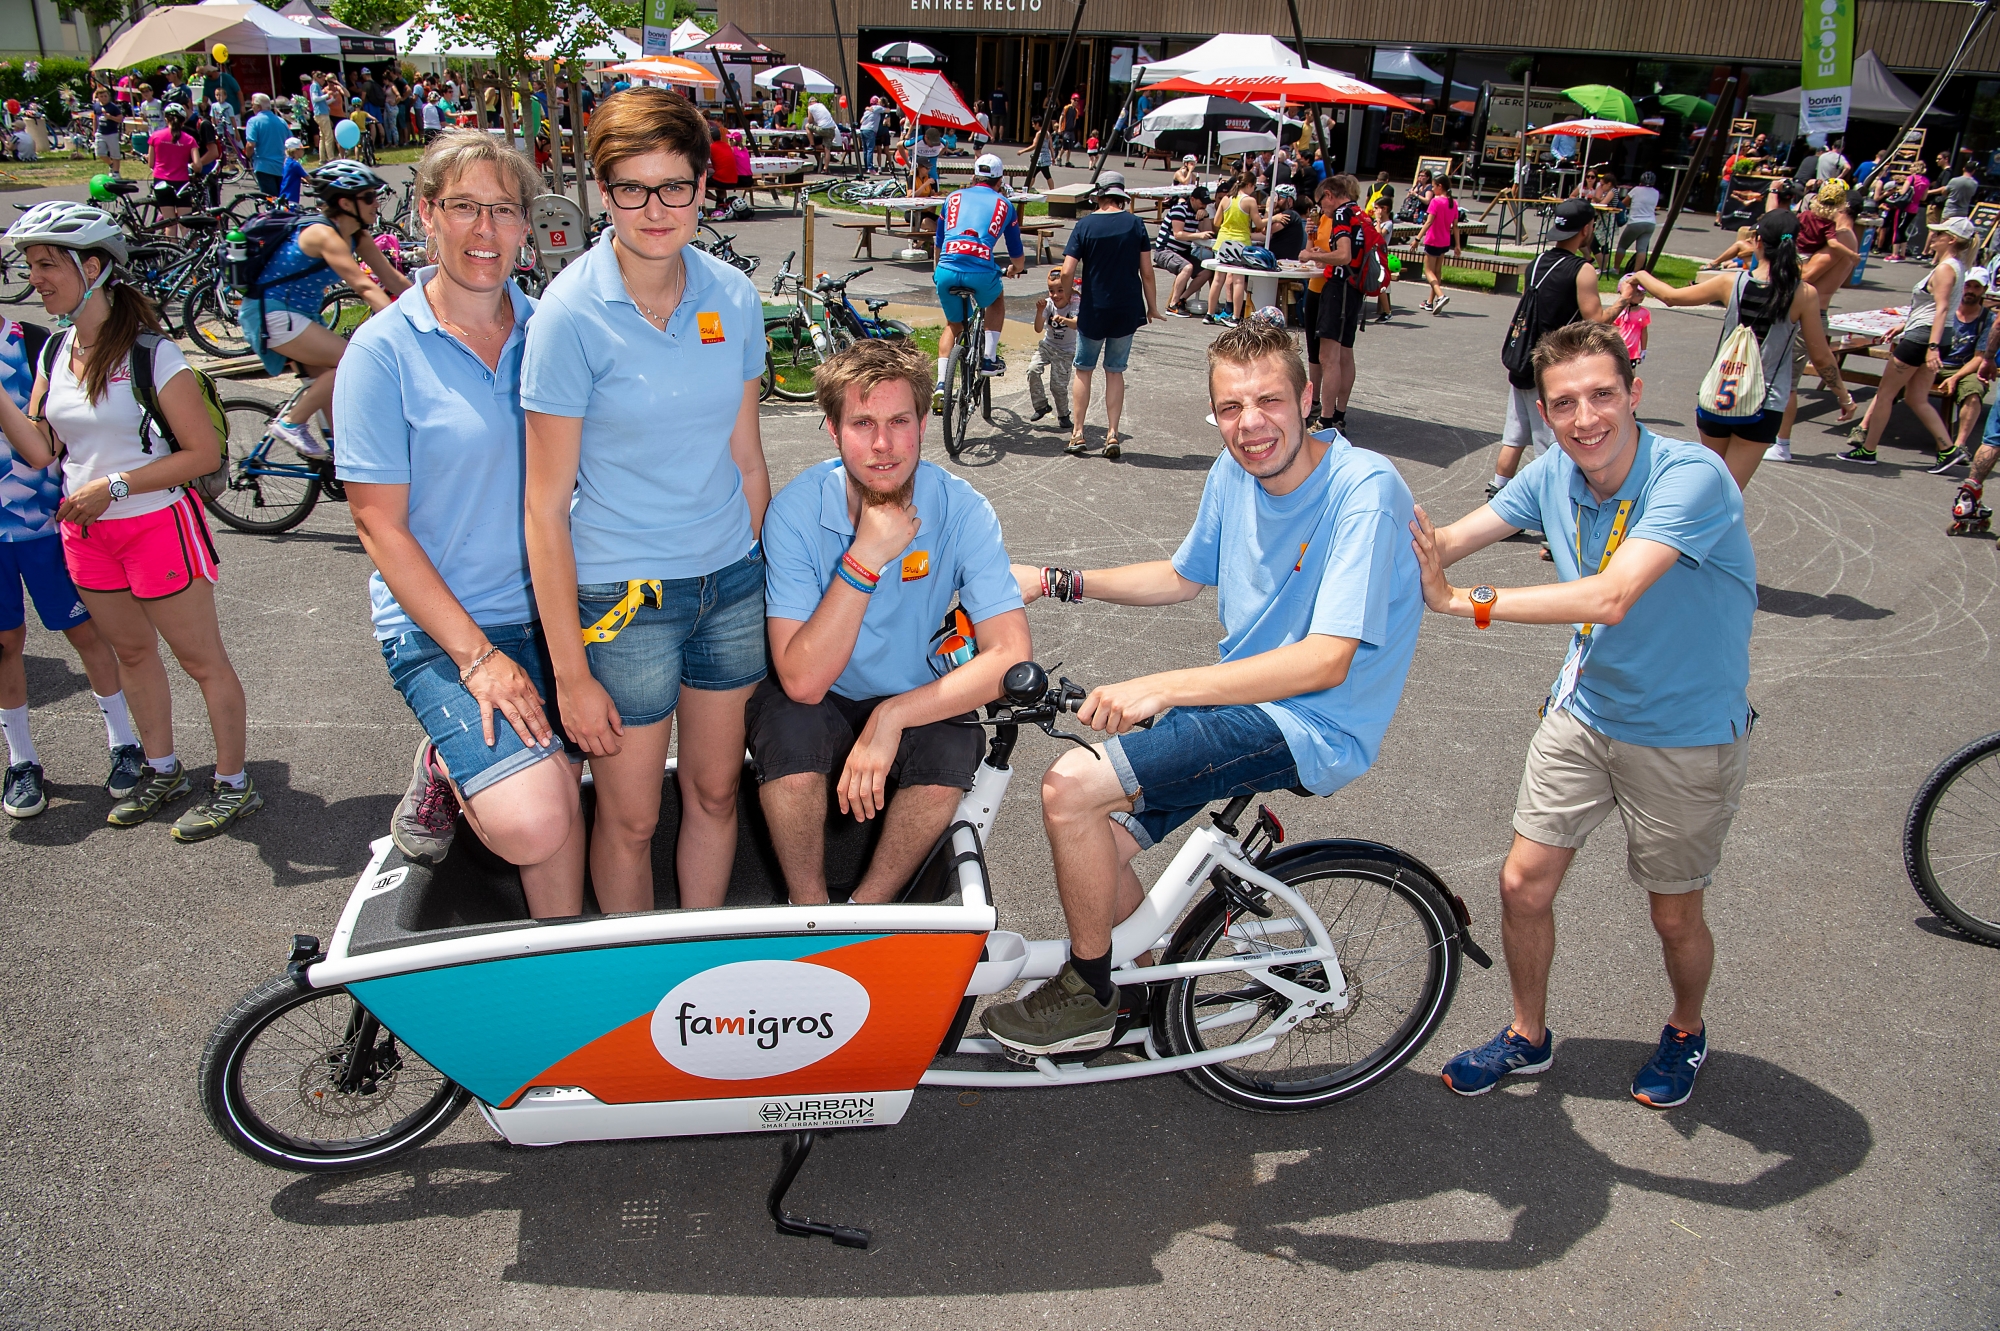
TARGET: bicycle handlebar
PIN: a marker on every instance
(1029, 698)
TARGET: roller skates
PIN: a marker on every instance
(1969, 517)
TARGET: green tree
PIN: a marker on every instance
(374, 15)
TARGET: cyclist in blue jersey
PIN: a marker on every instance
(974, 220)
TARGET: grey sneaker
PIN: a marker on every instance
(23, 797)
(1061, 1017)
(128, 768)
(427, 815)
(156, 790)
(213, 816)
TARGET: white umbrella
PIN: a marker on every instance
(795, 76)
(908, 53)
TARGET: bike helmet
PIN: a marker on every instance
(100, 188)
(343, 180)
(73, 226)
(988, 167)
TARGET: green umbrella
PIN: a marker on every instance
(1604, 103)
(1688, 105)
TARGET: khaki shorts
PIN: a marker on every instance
(1677, 803)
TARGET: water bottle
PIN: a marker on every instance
(820, 342)
(239, 255)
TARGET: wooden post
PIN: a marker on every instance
(506, 88)
(478, 104)
(578, 151)
(552, 94)
(806, 249)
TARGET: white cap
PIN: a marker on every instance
(294, 143)
(1190, 157)
(1959, 227)
(989, 167)
(1983, 276)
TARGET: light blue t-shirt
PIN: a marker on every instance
(1332, 557)
(658, 494)
(1675, 672)
(266, 135)
(417, 408)
(28, 495)
(957, 550)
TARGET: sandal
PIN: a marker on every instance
(1075, 447)
(1111, 446)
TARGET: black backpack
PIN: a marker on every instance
(264, 236)
(1536, 313)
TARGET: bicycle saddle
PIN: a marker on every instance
(874, 304)
(122, 186)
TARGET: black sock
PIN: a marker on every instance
(1097, 973)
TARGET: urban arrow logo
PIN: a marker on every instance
(754, 1019)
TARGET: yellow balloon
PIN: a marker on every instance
(220, 52)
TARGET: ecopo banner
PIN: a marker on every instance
(659, 29)
(1826, 66)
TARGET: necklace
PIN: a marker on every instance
(647, 310)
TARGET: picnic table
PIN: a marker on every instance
(1263, 281)
(782, 137)
(921, 234)
(1460, 230)
(1866, 332)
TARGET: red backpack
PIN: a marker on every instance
(1373, 265)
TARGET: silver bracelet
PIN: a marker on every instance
(477, 661)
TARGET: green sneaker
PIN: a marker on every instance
(1865, 456)
(156, 790)
(212, 816)
(1061, 1017)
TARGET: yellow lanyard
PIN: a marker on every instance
(607, 628)
(1611, 545)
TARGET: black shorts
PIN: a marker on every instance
(1763, 430)
(1312, 326)
(1435, 250)
(1911, 354)
(788, 737)
(1340, 311)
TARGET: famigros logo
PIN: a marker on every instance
(753, 1019)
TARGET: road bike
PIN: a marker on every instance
(964, 386)
(1274, 978)
(1951, 841)
(269, 488)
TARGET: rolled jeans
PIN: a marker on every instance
(1057, 364)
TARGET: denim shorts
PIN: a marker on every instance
(1117, 353)
(428, 680)
(707, 633)
(1192, 757)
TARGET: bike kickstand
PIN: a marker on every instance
(795, 1152)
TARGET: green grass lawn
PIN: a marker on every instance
(60, 168)
(1671, 269)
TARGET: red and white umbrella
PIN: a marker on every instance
(1284, 83)
(926, 98)
(1589, 129)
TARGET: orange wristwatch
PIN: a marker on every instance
(1482, 599)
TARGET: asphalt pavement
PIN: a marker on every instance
(1835, 1166)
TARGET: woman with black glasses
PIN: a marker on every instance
(646, 490)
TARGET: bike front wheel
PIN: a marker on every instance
(214, 322)
(795, 358)
(308, 1079)
(1396, 939)
(1951, 841)
(262, 495)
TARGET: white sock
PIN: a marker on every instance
(236, 782)
(118, 730)
(20, 748)
(164, 765)
(1499, 481)
(992, 345)
(1784, 443)
(944, 370)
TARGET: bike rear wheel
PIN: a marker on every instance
(1395, 936)
(343, 310)
(307, 1079)
(795, 358)
(260, 495)
(213, 320)
(1951, 841)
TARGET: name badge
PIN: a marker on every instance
(916, 565)
(710, 324)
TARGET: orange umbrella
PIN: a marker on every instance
(669, 69)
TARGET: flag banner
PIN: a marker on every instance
(659, 27)
(1826, 66)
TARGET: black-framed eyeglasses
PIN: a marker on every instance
(466, 211)
(630, 194)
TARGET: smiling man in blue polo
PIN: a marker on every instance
(864, 554)
(1650, 712)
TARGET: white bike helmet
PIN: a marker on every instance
(73, 226)
(988, 167)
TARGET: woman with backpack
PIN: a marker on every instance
(1441, 216)
(318, 254)
(1773, 306)
(134, 538)
(1916, 356)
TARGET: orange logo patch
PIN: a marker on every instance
(710, 324)
(917, 565)
(1302, 557)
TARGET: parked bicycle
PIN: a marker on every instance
(820, 323)
(1951, 841)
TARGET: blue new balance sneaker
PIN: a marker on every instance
(1477, 1071)
(1668, 1077)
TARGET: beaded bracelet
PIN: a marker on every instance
(1063, 584)
(865, 588)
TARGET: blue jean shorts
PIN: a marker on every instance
(706, 633)
(427, 678)
(1117, 353)
(39, 564)
(1192, 757)
(986, 289)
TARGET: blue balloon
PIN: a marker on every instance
(347, 134)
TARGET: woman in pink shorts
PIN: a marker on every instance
(134, 538)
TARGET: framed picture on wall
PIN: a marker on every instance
(1437, 127)
(1395, 122)
(1439, 167)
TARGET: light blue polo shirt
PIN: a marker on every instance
(957, 550)
(417, 408)
(1331, 557)
(657, 493)
(1675, 672)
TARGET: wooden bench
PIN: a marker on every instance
(774, 187)
(1043, 232)
(921, 237)
(1506, 272)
